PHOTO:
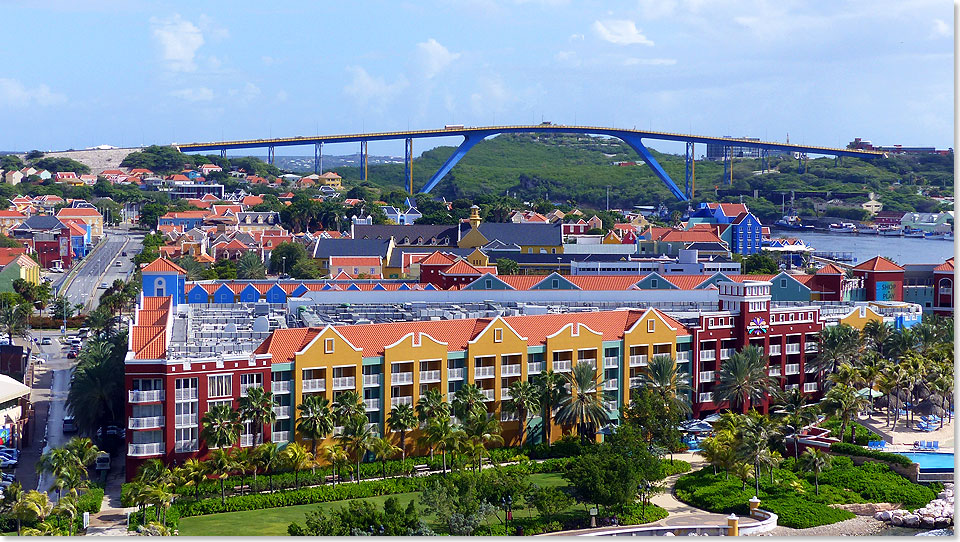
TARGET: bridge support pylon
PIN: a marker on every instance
(469, 140)
(318, 158)
(636, 143)
(363, 160)
(408, 164)
(270, 155)
(223, 153)
(689, 170)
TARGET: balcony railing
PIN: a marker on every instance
(374, 428)
(484, 372)
(247, 440)
(707, 376)
(280, 436)
(185, 420)
(793, 348)
(184, 446)
(148, 422)
(792, 369)
(775, 349)
(402, 378)
(587, 361)
(775, 371)
(708, 355)
(562, 366)
(811, 347)
(791, 387)
(487, 395)
(141, 450)
(639, 360)
(371, 404)
(725, 353)
(809, 387)
(512, 369)
(535, 367)
(706, 397)
(429, 376)
(185, 394)
(505, 394)
(371, 380)
(280, 386)
(245, 387)
(810, 368)
(610, 384)
(610, 406)
(611, 362)
(508, 416)
(683, 356)
(349, 382)
(401, 400)
(450, 396)
(455, 374)
(636, 381)
(315, 384)
(282, 412)
(152, 396)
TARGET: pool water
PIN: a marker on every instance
(930, 460)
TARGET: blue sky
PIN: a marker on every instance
(131, 73)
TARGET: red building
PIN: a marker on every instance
(943, 288)
(787, 336)
(882, 279)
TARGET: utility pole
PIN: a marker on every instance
(608, 197)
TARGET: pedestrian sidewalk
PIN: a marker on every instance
(111, 520)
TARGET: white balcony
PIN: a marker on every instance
(152, 396)
(282, 412)
(708, 376)
(186, 446)
(725, 353)
(247, 440)
(512, 369)
(455, 374)
(611, 362)
(429, 376)
(315, 384)
(350, 382)
(792, 369)
(810, 368)
(149, 422)
(775, 349)
(401, 400)
(809, 387)
(487, 395)
(245, 387)
(708, 355)
(371, 404)
(683, 356)
(636, 381)
(775, 371)
(535, 367)
(280, 436)
(587, 361)
(371, 380)
(280, 386)
(401, 378)
(811, 347)
(185, 394)
(793, 348)
(610, 384)
(484, 372)
(143, 450)
(508, 416)
(563, 366)
(505, 394)
(791, 387)
(705, 397)
(185, 420)
(610, 406)
(639, 360)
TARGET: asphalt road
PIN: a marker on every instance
(101, 268)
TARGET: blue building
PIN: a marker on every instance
(162, 278)
(746, 234)
(186, 219)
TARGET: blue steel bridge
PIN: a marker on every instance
(473, 135)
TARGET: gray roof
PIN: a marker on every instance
(40, 223)
(350, 247)
(410, 235)
(520, 234)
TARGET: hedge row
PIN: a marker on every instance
(675, 467)
(844, 448)
(862, 435)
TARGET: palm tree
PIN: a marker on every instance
(553, 390)
(481, 429)
(96, 397)
(162, 496)
(754, 448)
(437, 434)
(942, 385)
(62, 464)
(31, 505)
(220, 465)
(221, 427)
(257, 406)
(871, 366)
(584, 406)
(383, 450)
(243, 459)
(466, 400)
(337, 457)
(297, 458)
(84, 450)
(524, 399)
(838, 344)
(348, 405)
(249, 266)
(744, 379)
(402, 419)
(432, 404)
(193, 473)
(844, 402)
(315, 420)
(66, 507)
(270, 458)
(673, 385)
(845, 374)
(876, 335)
(795, 414)
(816, 461)
(357, 436)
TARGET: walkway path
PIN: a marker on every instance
(111, 520)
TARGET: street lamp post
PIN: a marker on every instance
(283, 259)
(507, 503)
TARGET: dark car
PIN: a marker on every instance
(72, 354)
(124, 253)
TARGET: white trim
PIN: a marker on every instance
(321, 334)
(492, 322)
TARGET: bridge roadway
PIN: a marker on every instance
(473, 135)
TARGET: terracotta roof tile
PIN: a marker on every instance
(358, 261)
(163, 265)
(878, 263)
(945, 266)
(830, 269)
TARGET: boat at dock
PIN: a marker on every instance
(914, 233)
(843, 227)
(890, 231)
(791, 222)
(868, 230)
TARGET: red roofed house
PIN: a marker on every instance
(91, 217)
(882, 279)
(9, 219)
(357, 266)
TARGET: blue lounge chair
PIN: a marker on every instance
(883, 444)
(936, 445)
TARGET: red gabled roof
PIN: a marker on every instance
(690, 237)
(358, 261)
(437, 258)
(163, 265)
(729, 209)
(830, 269)
(11, 214)
(878, 263)
(461, 268)
(282, 344)
(77, 211)
(946, 266)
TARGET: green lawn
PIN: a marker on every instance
(274, 521)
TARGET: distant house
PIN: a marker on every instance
(402, 217)
(13, 177)
(207, 169)
(91, 217)
(9, 220)
(15, 264)
(332, 180)
(49, 238)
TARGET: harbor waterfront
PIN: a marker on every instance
(863, 247)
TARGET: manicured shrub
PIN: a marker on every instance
(876, 482)
(862, 435)
(638, 515)
(844, 448)
(90, 500)
(675, 467)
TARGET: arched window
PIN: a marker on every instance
(946, 285)
(159, 287)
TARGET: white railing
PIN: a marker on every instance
(185, 394)
(512, 369)
(401, 400)
(484, 372)
(315, 384)
(793, 348)
(349, 382)
(636, 381)
(185, 420)
(245, 387)
(809, 387)
(374, 428)
(487, 395)
(401, 378)
(535, 367)
(792, 369)
(563, 365)
(450, 396)
(775, 349)
(148, 422)
(455, 374)
(810, 368)
(282, 411)
(811, 347)
(791, 387)
(725, 353)
(280, 386)
(683, 356)
(371, 380)
(246, 440)
(611, 362)
(708, 355)
(508, 416)
(705, 397)
(639, 360)
(280, 436)
(429, 376)
(610, 405)
(774, 371)
(707, 376)
(610, 384)
(140, 450)
(191, 445)
(505, 394)
(588, 361)
(151, 396)
(372, 404)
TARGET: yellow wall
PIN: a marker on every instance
(859, 317)
(640, 335)
(486, 344)
(416, 348)
(572, 337)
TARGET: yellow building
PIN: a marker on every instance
(89, 216)
(331, 179)
(537, 238)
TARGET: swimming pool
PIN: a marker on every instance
(930, 460)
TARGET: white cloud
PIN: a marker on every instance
(13, 93)
(493, 96)
(941, 29)
(577, 37)
(211, 28)
(434, 57)
(200, 94)
(620, 32)
(649, 61)
(372, 91)
(179, 40)
(245, 95)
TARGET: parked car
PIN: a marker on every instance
(69, 426)
(6, 463)
(10, 452)
(119, 263)
(46, 340)
(72, 354)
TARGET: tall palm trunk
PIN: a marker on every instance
(403, 445)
